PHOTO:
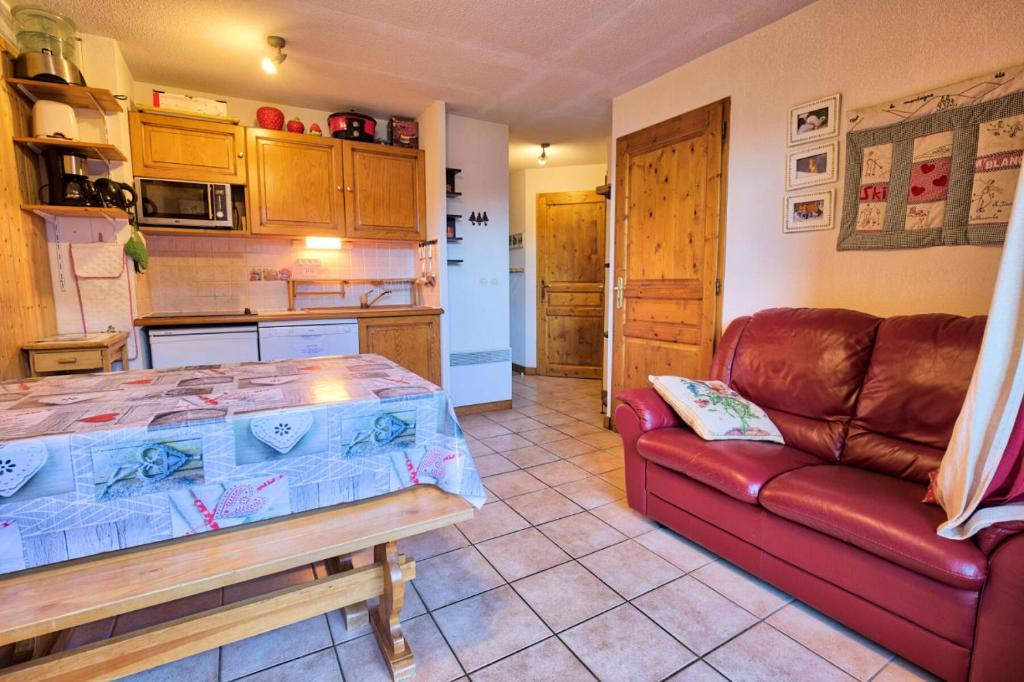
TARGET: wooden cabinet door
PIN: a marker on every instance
(414, 342)
(295, 184)
(385, 192)
(186, 149)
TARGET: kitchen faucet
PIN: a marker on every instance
(363, 298)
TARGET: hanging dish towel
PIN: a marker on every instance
(104, 287)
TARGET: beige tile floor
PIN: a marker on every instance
(557, 579)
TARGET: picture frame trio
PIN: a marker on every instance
(811, 165)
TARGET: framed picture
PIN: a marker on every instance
(817, 120)
(805, 212)
(515, 240)
(811, 166)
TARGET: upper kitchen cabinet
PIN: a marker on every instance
(295, 184)
(178, 148)
(385, 197)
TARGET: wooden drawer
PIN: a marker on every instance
(66, 361)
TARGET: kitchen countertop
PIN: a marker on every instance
(185, 319)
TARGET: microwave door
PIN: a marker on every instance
(177, 203)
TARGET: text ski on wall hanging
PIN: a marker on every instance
(935, 169)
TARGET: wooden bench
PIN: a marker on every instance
(38, 608)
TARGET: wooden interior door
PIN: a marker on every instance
(295, 184)
(570, 298)
(669, 191)
(385, 187)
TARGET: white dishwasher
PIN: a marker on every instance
(186, 346)
(287, 339)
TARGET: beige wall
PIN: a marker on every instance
(524, 191)
(870, 51)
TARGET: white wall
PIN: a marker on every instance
(100, 303)
(524, 186)
(870, 51)
(478, 313)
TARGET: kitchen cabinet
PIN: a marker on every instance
(295, 184)
(414, 342)
(178, 148)
(385, 195)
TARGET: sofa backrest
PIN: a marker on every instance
(805, 367)
(915, 385)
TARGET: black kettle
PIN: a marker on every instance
(115, 194)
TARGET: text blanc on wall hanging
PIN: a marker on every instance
(935, 169)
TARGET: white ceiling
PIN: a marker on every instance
(547, 68)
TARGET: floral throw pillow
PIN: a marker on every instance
(715, 411)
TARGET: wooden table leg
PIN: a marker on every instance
(385, 618)
(124, 357)
(353, 616)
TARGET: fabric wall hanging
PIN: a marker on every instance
(935, 169)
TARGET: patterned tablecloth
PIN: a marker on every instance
(99, 462)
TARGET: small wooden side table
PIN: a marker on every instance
(66, 353)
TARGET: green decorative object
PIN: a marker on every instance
(136, 249)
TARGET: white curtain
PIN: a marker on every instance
(993, 399)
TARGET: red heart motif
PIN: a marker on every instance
(941, 181)
(917, 191)
(239, 500)
(927, 168)
(100, 418)
(139, 382)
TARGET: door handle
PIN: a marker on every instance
(618, 293)
(543, 289)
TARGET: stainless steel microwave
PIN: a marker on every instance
(181, 203)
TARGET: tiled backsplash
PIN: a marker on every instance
(213, 274)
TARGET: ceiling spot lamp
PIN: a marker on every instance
(270, 64)
(543, 158)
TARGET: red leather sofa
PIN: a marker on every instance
(835, 516)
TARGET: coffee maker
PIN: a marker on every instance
(67, 174)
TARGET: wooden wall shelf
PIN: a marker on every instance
(77, 96)
(52, 212)
(94, 150)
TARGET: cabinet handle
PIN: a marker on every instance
(241, 155)
(348, 189)
(339, 188)
(618, 292)
(67, 361)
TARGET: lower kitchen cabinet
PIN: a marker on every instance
(412, 341)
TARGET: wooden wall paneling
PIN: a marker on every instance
(26, 296)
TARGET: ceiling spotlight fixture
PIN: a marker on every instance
(543, 158)
(270, 64)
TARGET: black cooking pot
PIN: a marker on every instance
(112, 193)
(352, 126)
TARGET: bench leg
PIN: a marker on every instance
(356, 615)
(385, 618)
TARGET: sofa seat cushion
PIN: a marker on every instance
(879, 514)
(737, 468)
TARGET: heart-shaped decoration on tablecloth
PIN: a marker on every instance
(917, 191)
(157, 462)
(100, 418)
(941, 181)
(281, 431)
(239, 500)
(19, 461)
(388, 427)
(927, 168)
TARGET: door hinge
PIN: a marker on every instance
(604, 334)
(718, 287)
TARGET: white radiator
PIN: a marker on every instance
(481, 376)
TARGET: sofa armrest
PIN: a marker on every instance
(652, 412)
(997, 649)
(640, 410)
